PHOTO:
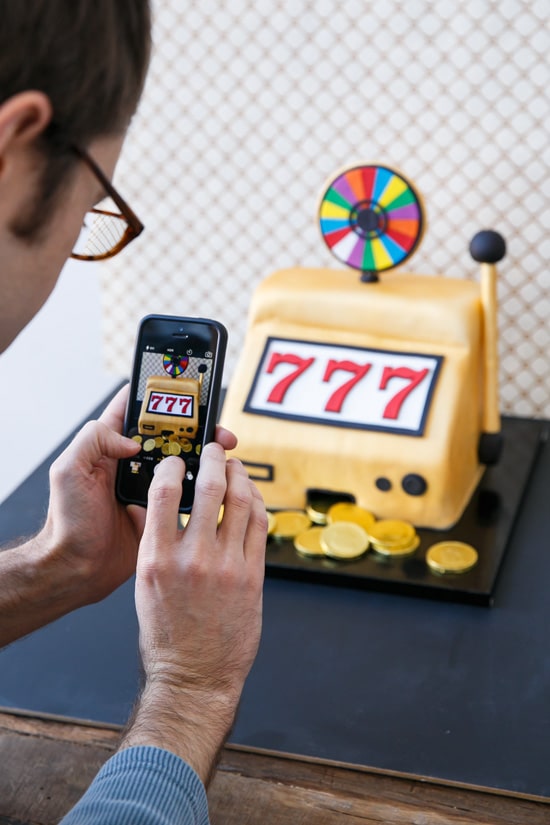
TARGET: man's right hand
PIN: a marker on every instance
(199, 602)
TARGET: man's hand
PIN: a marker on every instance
(87, 530)
(94, 534)
(198, 598)
(88, 545)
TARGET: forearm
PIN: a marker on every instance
(199, 604)
(194, 725)
(36, 588)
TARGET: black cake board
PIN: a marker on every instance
(486, 524)
(425, 688)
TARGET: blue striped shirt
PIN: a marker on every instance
(142, 786)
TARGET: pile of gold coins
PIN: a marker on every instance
(168, 445)
(345, 531)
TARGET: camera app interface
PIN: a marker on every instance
(168, 413)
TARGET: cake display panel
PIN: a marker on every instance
(344, 386)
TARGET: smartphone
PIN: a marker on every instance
(173, 402)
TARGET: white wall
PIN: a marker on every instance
(52, 376)
(250, 108)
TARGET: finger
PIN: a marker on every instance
(237, 506)
(137, 515)
(226, 438)
(256, 534)
(114, 412)
(210, 490)
(161, 520)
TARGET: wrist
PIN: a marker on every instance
(36, 588)
(64, 570)
(71, 571)
(192, 723)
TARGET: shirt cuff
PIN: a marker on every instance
(143, 785)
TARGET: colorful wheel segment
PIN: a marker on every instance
(371, 218)
(174, 365)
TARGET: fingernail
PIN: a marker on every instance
(213, 446)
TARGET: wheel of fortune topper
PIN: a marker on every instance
(175, 365)
(371, 218)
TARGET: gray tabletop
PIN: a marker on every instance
(435, 689)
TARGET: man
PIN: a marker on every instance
(71, 74)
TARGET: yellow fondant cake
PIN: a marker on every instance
(405, 322)
(382, 389)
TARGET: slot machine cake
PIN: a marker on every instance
(380, 387)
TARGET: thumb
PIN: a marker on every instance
(137, 515)
(96, 441)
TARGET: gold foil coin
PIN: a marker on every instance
(451, 557)
(308, 543)
(405, 550)
(316, 516)
(137, 438)
(159, 441)
(171, 448)
(271, 522)
(184, 517)
(344, 540)
(347, 511)
(392, 533)
(288, 523)
(319, 502)
(149, 445)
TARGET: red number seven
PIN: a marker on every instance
(277, 394)
(336, 400)
(393, 407)
(155, 401)
(184, 404)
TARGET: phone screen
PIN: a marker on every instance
(173, 404)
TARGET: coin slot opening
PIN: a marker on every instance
(327, 497)
(259, 472)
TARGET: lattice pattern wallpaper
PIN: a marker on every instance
(250, 107)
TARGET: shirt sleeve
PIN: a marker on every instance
(142, 786)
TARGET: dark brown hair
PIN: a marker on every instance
(90, 58)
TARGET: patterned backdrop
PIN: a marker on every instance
(152, 364)
(250, 107)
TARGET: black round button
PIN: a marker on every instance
(414, 484)
(383, 484)
(488, 247)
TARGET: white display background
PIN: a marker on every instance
(56, 361)
(251, 107)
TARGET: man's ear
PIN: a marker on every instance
(23, 118)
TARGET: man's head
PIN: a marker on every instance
(89, 58)
(71, 73)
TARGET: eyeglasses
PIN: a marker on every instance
(105, 233)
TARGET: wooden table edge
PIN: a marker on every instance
(249, 780)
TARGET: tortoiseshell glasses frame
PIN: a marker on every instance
(109, 232)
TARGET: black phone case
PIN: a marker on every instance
(213, 398)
